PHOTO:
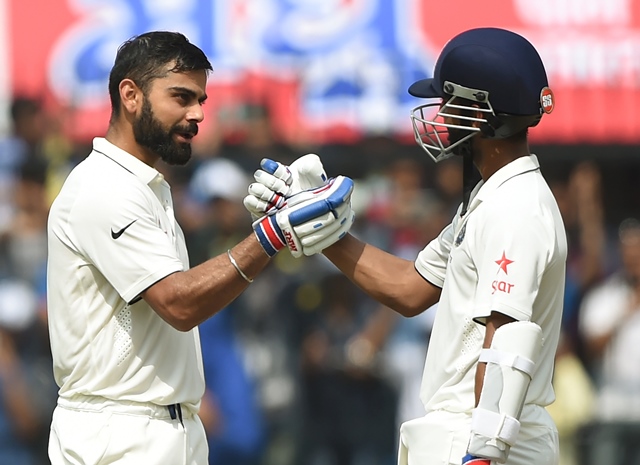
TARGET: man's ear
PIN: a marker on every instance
(130, 95)
(487, 129)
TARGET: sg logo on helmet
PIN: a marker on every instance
(546, 100)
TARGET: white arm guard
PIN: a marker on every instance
(510, 363)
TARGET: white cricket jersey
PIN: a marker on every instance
(112, 234)
(507, 254)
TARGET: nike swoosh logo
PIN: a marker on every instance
(116, 235)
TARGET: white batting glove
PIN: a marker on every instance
(310, 221)
(318, 234)
(275, 182)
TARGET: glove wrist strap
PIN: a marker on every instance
(269, 235)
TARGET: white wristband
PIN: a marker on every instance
(235, 265)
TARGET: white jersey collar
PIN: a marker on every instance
(143, 171)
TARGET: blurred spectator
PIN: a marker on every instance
(29, 125)
(262, 347)
(401, 215)
(27, 131)
(250, 136)
(581, 204)
(448, 184)
(60, 152)
(229, 410)
(348, 406)
(580, 201)
(218, 186)
(574, 404)
(610, 324)
(399, 211)
(26, 389)
(26, 240)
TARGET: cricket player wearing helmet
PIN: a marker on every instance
(497, 270)
(123, 303)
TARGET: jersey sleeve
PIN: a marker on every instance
(432, 261)
(122, 233)
(511, 254)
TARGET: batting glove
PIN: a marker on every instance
(276, 182)
(473, 460)
(309, 221)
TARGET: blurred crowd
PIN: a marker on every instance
(303, 368)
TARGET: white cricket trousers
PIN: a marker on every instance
(95, 431)
(441, 438)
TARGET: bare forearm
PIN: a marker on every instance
(188, 298)
(388, 279)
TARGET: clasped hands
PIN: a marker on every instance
(298, 207)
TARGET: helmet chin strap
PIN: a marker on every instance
(470, 175)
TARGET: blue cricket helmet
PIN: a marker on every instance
(500, 62)
(498, 73)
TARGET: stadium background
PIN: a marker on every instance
(330, 77)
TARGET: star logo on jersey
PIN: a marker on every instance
(504, 262)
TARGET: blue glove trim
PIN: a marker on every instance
(341, 194)
(321, 207)
(309, 212)
(473, 460)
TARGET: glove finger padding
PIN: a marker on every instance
(277, 169)
(255, 206)
(317, 235)
(261, 200)
(262, 192)
(264, 201)
(273, 182)
(304, 173)
(278, 181)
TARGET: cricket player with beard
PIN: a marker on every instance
(497, 270)
(123, 304)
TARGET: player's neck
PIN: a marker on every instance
(490, 155)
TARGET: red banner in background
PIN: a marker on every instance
(334, 70)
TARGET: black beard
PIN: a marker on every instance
(149, 133)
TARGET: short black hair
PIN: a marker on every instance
(144, 57)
